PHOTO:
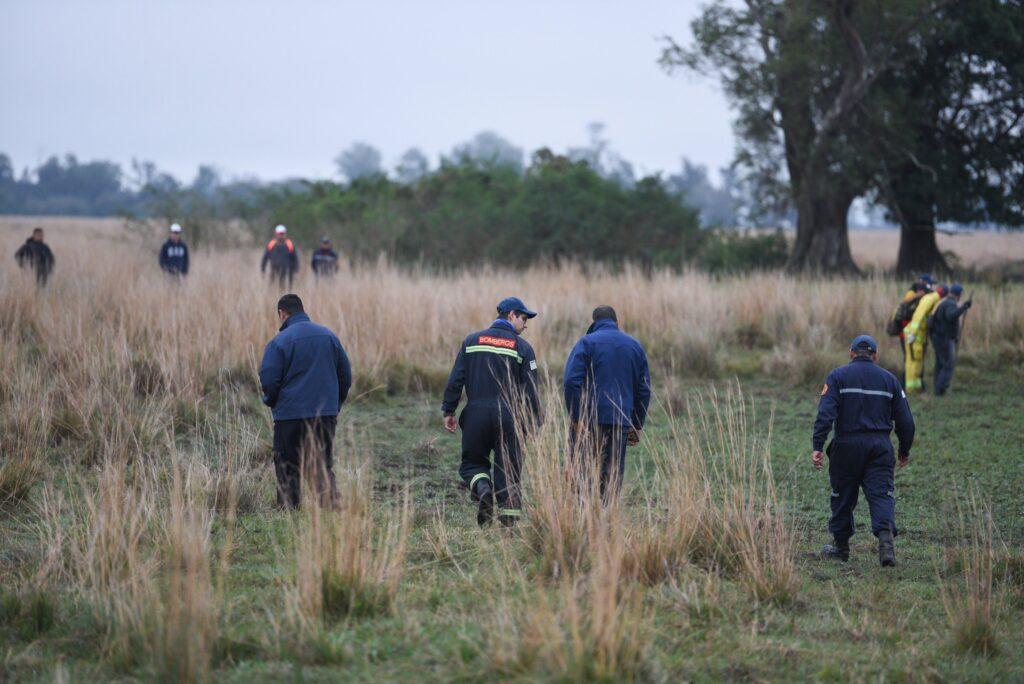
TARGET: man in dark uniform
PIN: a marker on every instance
(325, 259)
(607, 387)
(944, 330)
(36, 254)
(305, 376)
(861, 401)
(174, 253)
(498, 369)
(282, 257)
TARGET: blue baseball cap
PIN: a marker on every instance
(956, 289)
(514, 304)
(864, 343)
(927, 278)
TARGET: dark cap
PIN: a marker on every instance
(956, 289)
(324, 238)
(864, 343)
(927, 278)
(514, 304)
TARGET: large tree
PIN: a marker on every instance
(947, 130)
(797, 71)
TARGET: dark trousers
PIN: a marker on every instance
(607, 443)
(304, 446)
(945, 362)
(486, 429)
(862, 461)
(281, 275)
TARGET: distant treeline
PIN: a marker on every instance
(468, 210)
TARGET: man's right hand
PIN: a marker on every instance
(451, 424)
(903, 460)
(818, 459)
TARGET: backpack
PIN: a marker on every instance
(904, 312)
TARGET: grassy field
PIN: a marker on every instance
(139, 542)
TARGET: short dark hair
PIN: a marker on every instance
(290, 304)
(604, 312)
(37, 229)
(864, 352)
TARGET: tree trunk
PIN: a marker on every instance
(919, 252)
(913, 203)
(822, 238)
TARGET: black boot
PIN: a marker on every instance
(839, 550)
(508, 517)
(886, 551)
(485, 495)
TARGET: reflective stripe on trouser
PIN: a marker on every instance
(510, 512)
(486, 429)
(915, 365)
(861, 462)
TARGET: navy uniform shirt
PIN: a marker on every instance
(496, 367)
(862, 397)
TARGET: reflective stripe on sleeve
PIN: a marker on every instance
(856, 390)
(494, 350)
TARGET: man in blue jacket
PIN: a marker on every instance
(174, 253)
(498, 370)
(861, 401)
(305, 377)
(607, 388)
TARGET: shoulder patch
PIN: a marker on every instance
(824, 390)
(493, 341)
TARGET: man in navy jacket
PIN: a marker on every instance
(174, 253)
(607, 392)
(305, 377)
(861, 401)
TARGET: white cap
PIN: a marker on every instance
(175, 228)
(280, 230)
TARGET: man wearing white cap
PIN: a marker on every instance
(282, 257)
(174, 253)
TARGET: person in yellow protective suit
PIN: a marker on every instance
(915, 337)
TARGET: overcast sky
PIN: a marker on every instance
(277, 89)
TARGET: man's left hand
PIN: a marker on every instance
(818, 459)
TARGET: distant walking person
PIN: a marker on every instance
(607, 387)
(282, 257)
(944, 330)
(305, 377)
(174, 253)
(36, 254)
(860, 402)
(325, 259)
(498, 370)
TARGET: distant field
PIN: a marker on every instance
(876, 248)
(139, 540)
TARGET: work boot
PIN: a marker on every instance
(839, 550)
(886, 551)
(485, 495)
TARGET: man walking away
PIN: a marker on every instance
(498, 370)
(607, 388)
(36, 254)
(944, 330)
(325, 259)
(860, 402)
(174, 253)
(915, 335)
(282, 257)
(305, 377)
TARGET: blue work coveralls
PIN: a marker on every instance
(498, 370)
(174, 257)
(861, 401)
(607, 386)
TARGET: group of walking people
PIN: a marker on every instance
(929, 311)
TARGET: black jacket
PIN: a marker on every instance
(325, 261)
(862, 397)
(945, 320)
(174, 257)
(281, 256)
(497, 368)
(36, 254)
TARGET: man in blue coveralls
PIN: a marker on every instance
(862, 401)
(498, 370)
